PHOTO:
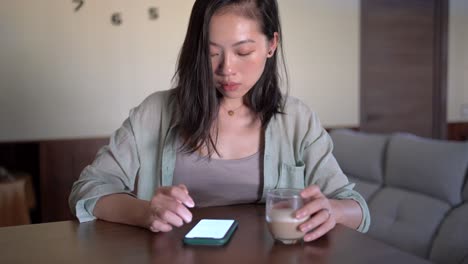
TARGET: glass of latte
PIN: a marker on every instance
(281, 205)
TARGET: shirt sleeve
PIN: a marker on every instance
(113, 171)
(322, 169)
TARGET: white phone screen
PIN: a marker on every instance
(210, 228)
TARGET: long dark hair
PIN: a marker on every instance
(195, 96)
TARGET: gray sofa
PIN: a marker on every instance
(416, 189)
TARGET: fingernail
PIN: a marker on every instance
(190, 204)
(300, 215)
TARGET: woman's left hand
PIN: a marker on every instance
(319, 208)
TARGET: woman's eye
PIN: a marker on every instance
(243, 54)
(214, 54)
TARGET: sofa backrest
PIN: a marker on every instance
(432, 167)
(361, 157)
(417, 206)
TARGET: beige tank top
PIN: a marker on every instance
(216, 182)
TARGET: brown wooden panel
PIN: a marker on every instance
(61, 162)
(457, 131)
(402, 65)
(20, 156)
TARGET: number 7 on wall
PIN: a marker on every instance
(79, 4)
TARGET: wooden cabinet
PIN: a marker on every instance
(54, 166)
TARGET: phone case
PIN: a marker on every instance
(212, 241)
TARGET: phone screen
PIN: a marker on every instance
(210, 228)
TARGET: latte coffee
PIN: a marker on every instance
(284, 226)
(281, 205)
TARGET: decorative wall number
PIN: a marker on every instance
(79, 4)
(116, 18)
(153, 13)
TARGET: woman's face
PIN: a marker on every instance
(238, 51)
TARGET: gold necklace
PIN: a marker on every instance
(232, 111)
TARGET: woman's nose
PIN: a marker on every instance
(226, 66)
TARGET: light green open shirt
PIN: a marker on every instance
(141, 157)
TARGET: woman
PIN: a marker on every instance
(223, 136)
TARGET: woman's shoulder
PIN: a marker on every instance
(295, 107)
(154, 109)
(157, 101)
(297, 123)
(297, 115)
(158, 98)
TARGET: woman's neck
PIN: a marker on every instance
(233, 107)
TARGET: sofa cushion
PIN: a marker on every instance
(451, 243)
(432, 167)
(359, 154)
(406, 219)
(363, 187)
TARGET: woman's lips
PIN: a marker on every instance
(230, 86)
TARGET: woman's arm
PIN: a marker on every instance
(123, 208)
(322, 170)
(347, 212)
(168, 208)
(326, 213)
(112, 172)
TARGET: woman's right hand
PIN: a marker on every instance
(168, 208)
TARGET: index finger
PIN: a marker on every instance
(183, 187)
(181, 195)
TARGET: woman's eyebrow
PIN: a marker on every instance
(235, 44)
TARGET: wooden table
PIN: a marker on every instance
(103, 242)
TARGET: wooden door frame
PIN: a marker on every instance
(439, 128)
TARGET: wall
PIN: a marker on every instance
(457, 93)
(322, 52)
(74, 75)
(66, 74)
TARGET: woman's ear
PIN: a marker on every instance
(272, 45)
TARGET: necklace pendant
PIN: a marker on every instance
(230, 112)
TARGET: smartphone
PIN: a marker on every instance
(211, 232)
